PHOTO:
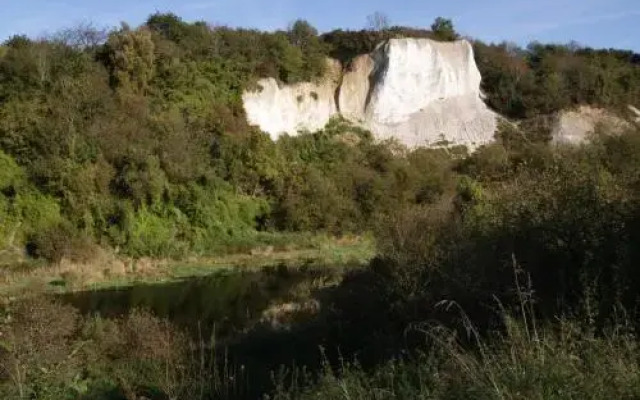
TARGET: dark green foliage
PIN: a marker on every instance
(304, 37)
(567, 219)
(49, 351)
(346, 45)
(291, 56)
(543, 79)
(342, 181)
(443, 29)
(172, 28)
(139, 140)
(59, 242)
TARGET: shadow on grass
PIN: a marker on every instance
(226, 315)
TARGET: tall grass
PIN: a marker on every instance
(560, 361)
(522, 359)
(48, 351)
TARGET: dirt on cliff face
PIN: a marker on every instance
(577, 126)
(355, 89)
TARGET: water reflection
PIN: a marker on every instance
(231, 302)
(351, 321)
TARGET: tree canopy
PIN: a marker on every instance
(137, 139)
(443, 29)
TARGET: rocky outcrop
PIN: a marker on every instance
(355, 88)
(418, 91)
(577, 126)
(636, 114)
(307, 106)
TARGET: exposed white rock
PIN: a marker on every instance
(461, 120)
(418, 91)
(576, 126)
(279, 109)
(411, 74)
(636, 113)
(356, 88)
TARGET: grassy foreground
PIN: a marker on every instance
(552, 364)
(109, 271)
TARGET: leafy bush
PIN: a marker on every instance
(49, 352)
(60, 242)
(36, 211)
(542, 79)
(220, 218)
(569, 226)
(11, 174)
(155, 234)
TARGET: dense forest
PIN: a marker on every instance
(135, 140)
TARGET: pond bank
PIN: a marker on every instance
(110, 271)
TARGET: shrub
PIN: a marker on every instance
(155, 234)
(11, 174)
(219, 218)
(49, 352)
(570, 225)
(60, 242)
(6, 225)
(36, 351)
(35, 213)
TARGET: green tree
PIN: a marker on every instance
(301, 33)
(131, 59)
(170, 26)
(444, 30)
(304, 36)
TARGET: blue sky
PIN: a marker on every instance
(597, 23)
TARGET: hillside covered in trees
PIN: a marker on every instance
(510, 272)
(136, 138)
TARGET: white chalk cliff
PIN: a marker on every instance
(636, 114)
(277, 108)
(418, 91)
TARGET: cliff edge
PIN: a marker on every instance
(418, 91)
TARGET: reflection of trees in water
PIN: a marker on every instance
(346, 321)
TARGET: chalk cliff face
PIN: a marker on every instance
(635, 114)
(278, 109)
(418, 91)
(356, 88)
